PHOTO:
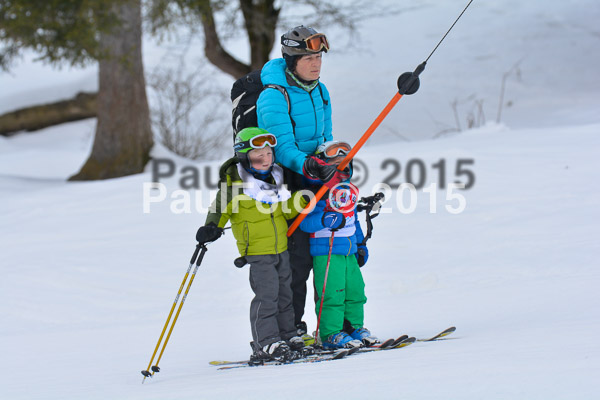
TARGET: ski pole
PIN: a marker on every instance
(408, 83)
(146, 372)
(155, 368)
(187, 289)
(367, 204)
(317, 337)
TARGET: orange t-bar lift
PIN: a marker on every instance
(408, 83)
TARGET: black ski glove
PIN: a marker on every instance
(315, 168)
(208, 233)
(362, 255)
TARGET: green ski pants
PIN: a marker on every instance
(344, 294)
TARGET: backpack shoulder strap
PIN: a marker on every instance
(287, 99)
(283, 92)
(326, 102)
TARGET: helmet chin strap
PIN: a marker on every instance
(258, 174)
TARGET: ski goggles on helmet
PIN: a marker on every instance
(257, 142)
(333, 149)
(314, 43)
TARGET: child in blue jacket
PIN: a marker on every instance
(333, 224)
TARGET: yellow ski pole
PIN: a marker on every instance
(146, 372)
(200, 257)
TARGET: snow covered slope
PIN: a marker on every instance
(88, 279)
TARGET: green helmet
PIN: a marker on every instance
(252, 138)
(294, 42)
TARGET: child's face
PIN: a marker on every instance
(261, 159)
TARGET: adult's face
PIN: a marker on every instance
(309, 67)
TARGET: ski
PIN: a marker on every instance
(308, 359)
(311, 352)
(224, 362)
(405, 342)
(308, 352)
(398, 344)
(439, 335)
(399, 340)
(384, 345)
(326, 355)
(389, 344)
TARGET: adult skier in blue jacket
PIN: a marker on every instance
(300, 127)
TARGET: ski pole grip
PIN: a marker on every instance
(201, 256)
(195, 254)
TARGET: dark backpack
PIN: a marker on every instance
(244, 95)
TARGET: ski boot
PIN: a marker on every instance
(277, 351)
(302, 331)
(365, 336)
(297, 344)
(341, 340)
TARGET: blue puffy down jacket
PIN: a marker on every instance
(345, 240)
(311, 114)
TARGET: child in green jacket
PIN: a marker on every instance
(253, 198)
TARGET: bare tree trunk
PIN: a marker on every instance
(123, 135)
(260, 20)
(39, 117)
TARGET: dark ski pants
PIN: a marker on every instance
(302, 263)
(271, 311)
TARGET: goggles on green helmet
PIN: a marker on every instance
(256, 142)
(314, 43)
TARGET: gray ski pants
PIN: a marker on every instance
(271, 311)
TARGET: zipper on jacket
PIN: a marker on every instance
(247, 237)
(275, 229)
(314, 110)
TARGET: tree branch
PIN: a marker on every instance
(213, 49)
(38, 117)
